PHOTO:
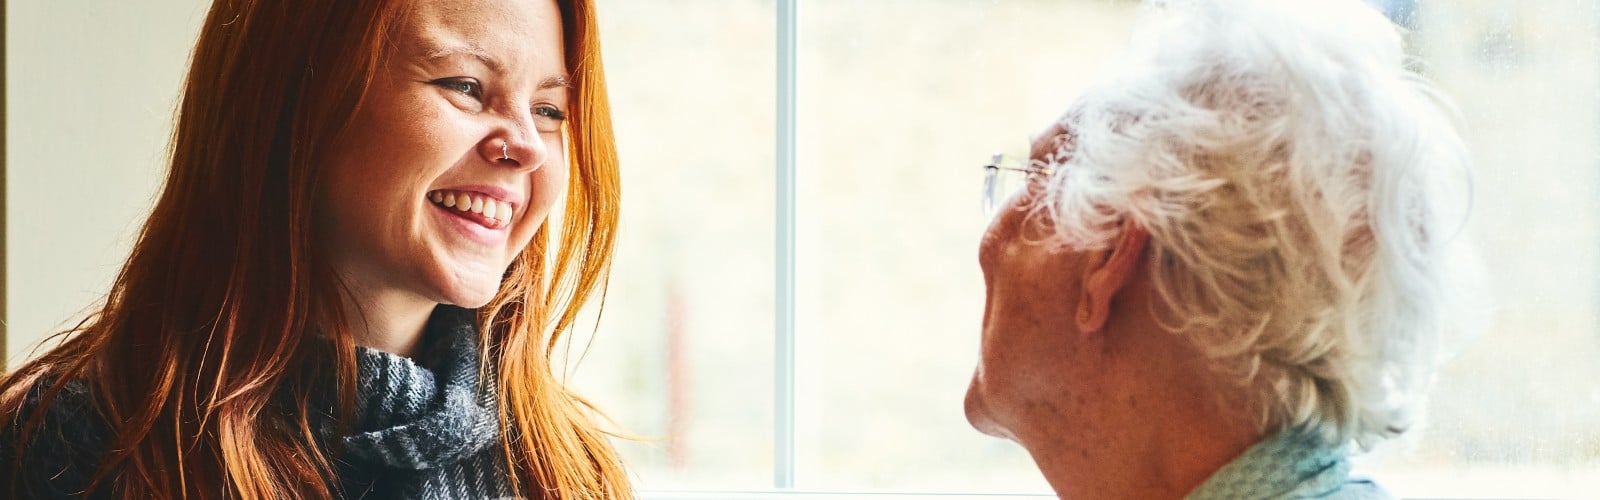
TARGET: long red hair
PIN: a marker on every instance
(199, 361)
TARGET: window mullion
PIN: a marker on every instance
(783, 449)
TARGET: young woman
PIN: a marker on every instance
(348, 286)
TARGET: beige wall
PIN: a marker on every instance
(90, 90)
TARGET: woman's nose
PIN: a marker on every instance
(509, 150)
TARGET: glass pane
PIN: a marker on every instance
(895, 126)
(1518, 413)
(683, 355)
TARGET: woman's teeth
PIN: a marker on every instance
(477, 203)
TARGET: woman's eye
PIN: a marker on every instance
(464, 86)
(550, 112)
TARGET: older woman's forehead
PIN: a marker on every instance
(1045, 142)
(1058, 138)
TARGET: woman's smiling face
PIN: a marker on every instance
(456, 155)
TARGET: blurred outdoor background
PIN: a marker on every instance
(899, 102)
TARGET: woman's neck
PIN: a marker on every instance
(387, 320)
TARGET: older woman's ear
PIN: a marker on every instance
(1107, 273)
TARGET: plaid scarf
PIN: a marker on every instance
(426, 429)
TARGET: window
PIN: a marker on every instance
(896, 103)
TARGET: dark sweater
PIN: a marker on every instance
(421, 431)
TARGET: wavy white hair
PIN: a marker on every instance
(1303, 191)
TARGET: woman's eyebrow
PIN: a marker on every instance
(555, 82)
(436, 50)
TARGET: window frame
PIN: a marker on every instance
(786, 480)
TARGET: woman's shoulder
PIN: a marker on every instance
(59, 435)
(47, 397)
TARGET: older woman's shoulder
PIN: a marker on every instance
(56, 457)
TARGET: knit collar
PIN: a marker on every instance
(427, 413)
(1291, 464)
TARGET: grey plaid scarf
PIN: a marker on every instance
(426, 429)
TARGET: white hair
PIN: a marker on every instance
(1302, 190)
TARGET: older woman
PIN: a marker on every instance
(1230, 266)
(347, 286)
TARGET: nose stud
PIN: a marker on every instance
(505, 150)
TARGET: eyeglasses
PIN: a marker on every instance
(1003, 176)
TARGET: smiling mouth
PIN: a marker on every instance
(484, 209)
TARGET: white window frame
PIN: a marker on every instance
(787, 141)
(785, 416)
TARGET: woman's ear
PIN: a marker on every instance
(1106, 273)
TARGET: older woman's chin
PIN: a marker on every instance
(979, 414)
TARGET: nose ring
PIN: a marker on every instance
(505, 150)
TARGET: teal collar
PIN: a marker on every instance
(1288, 465)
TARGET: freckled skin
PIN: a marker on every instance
(416, 133)
(1122, 410)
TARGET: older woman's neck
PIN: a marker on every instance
(1163, 425)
